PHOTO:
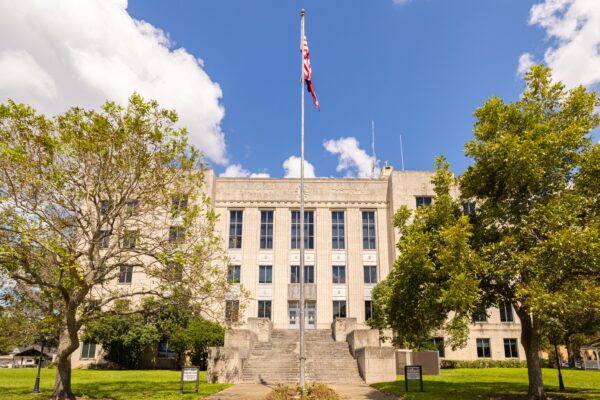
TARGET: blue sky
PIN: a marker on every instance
(419, 69)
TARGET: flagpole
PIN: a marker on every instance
(302, 355)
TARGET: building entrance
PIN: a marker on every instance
(310, 315)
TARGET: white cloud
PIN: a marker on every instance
(525, 62)
(351, 158)
(236, 171)
(574, 27)
(58, 54)
(401, 2)
(22, 75)
(292, 168)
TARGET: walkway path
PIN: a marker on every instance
(361, 392)
(246, 391)
(259, 392)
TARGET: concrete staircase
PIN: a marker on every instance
(276, 361)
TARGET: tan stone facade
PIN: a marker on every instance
(264, 262)
(324, 196)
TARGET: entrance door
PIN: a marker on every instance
(293, 315)
(310, 315)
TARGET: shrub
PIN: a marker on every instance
(450, 364)
(317, 391)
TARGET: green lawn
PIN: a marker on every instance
(494, 383)
(117, 385)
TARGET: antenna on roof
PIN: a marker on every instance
(374, 160)
(401, 153)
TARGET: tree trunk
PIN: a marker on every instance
(67, 344)
(530, 338)
(570, 354)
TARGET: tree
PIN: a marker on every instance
(435, 274)
(91, 197)
(195, 339)
(128, 333)
(535, 238)
(538, 219)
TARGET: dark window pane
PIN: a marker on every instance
(234, 273)
(235, 229)
(368, 310)
(506, 314)
(339, 309)
(295, 274)
(438, 342)
(368, 229)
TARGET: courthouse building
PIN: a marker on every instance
(350, 245)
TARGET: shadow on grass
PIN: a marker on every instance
(125, 390)
(437, 390)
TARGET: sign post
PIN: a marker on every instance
(190, 374)
(413, 373)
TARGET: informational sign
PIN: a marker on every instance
(190, 374)
(413, 373)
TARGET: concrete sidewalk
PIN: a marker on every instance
(244, 391)
(361, 392)
(259, 392)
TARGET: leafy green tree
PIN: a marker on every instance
(435, 274)
(195, 339)
(127, 334)
(88, 192)
(534, 240)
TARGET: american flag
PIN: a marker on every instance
(308, 72)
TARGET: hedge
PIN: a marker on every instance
(449, 364)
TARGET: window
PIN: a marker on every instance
(264, 309)
(179, 203)
(131, 206)
(339, 274)
(88, 350)
(368, 226)
(339, 309)
(125, 273)
(233, 273)
(309, 229)
(295, 274)
(105, 207)
(506, 314)
(176, 234)
(438, 343)
(337, 230)
(235, 229)
(510, 348)
(232, 310)
(480, 315)
(370, 274)
(424, 201)
(468, 208)
(368, 309)
(265, 274)
(163, 350)
(309, 274)
(175, 271)
(266, 229)
(104, 239)
(130, 239)
(483, 348)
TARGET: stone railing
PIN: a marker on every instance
(225, 364)
(376, 363)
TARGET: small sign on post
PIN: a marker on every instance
(190, 374)
(413, 373)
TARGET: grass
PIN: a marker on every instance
(494, 383)
(99, 384)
